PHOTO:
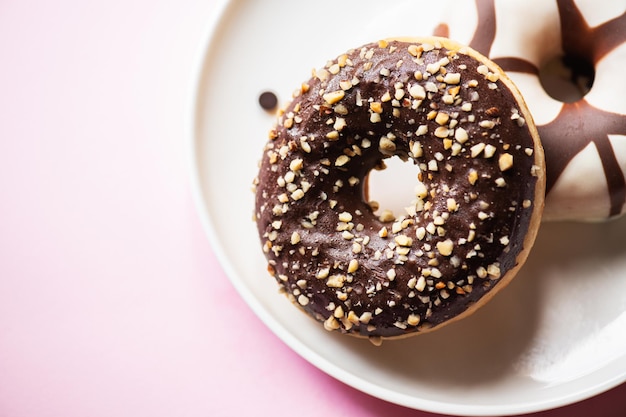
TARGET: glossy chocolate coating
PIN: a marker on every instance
(428, 104)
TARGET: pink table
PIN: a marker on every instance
(111, 300)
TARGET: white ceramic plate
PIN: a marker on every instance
(556, 335)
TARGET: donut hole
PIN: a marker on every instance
(393, 187)
(567, 78)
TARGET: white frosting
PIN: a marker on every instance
(597, 12)
(543, 108)
(609, 88)
(572, 198)
(513, 37)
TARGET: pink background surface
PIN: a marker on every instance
(112, 302)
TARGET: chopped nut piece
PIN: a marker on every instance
(297, 194)
(413, 320)
(493, 271)
(535, 170)
(452, 78)
(452, 204)
(442, 119)
(386, 146)
(403, 240)
(492, 111)
(483, 70)
(353, 318)
(417, 91)
(322, 273)
(481, 272)
(416, 149)
(296, 165)
(445, 247)
(342, 160)
(334, 96)
(347, 235)
(375, 118)
(331, 324)
(421, 284)
(303, 299)
(482, 215)
(376, 107)
(289, 177)
(336, 281)
(493, 77)
(340, 123)
(387, 216)
(415, 50)
(345, 217)
(353, 266)
(332, 135)
(490, 150)
(433, 68)
(461, 135)
(505, 161)
(487, 124)
(477, 149)
(442, 132)
(305, 146)
(365, 317)
(472, 177)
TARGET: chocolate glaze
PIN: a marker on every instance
(375, 277)
(578, 124)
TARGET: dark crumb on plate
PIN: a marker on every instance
(268, 100)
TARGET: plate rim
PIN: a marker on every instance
(206, 47)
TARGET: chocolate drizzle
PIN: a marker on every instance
(580, 123)
(584, 42)
(442, 30)
(514, 64)
(483, 38)
(594, 127)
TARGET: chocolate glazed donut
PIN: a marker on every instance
(478, 202)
